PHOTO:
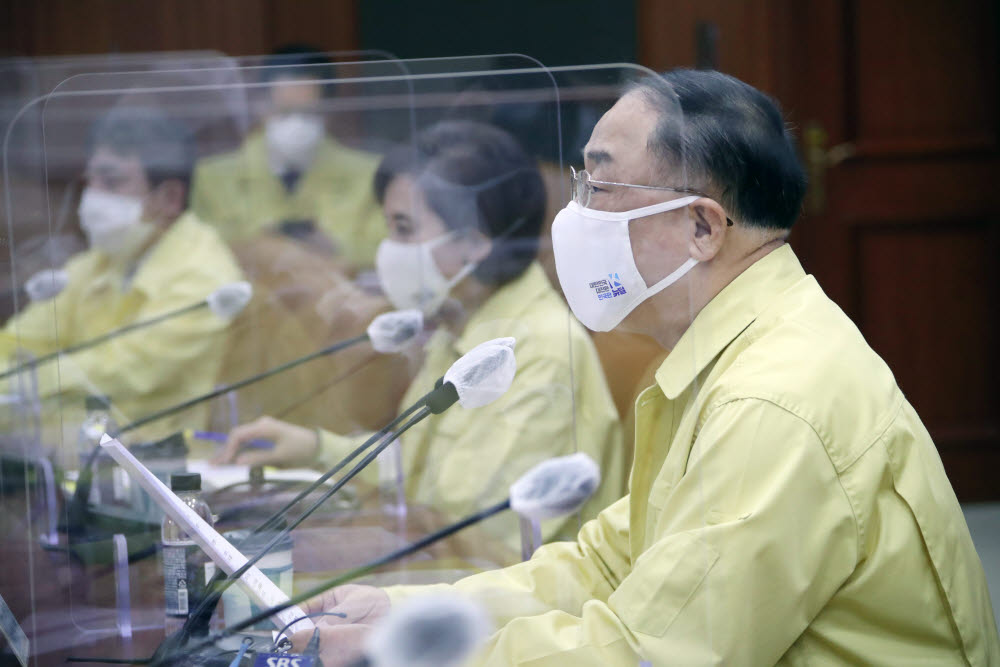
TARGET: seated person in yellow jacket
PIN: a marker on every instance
(291, 176)
(147, 256)
(786, 504)
(464, 207)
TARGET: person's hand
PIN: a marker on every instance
(356, 604)
(342, 636)
(294, 446)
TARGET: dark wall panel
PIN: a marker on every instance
(556, 32)
(235, 27)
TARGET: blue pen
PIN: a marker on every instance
(244, 645)
(222, 437)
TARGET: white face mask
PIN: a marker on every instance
(292, 140)
(113, 223)
(596, 268)
(411, 278)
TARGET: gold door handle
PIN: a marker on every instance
(818, 160)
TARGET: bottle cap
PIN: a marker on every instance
(185, 481)
(96, 402)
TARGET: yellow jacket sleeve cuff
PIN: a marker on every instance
(332, 447)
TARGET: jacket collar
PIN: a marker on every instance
(328, 160)
(156, 268)
(726, 316)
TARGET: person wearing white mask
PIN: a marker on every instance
(291, 176)
(787, 506)
(464, 206)
(146, 256)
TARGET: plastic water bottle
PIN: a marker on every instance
(391, 483)
(96, 423)
(184, 577)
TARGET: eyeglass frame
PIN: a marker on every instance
(576, 183)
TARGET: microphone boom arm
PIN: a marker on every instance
(239, 384)
(79, 347)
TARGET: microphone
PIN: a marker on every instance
(556, 487)
(427, 631)
(552, 488)
(46, 284)
(389, 331)
(478, 378)
(226, 302)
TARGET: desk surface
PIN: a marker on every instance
(68, 608)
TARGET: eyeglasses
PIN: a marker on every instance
(583, 187)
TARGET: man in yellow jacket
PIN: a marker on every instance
(786, 504)
(291, 176)
(147, 257)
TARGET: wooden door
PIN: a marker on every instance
(896, 106)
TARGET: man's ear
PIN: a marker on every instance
(710, 226)
(167, 201)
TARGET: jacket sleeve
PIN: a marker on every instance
(145, 361)
(561, 576)
(333, 447)
(741, 553)
(35, 327)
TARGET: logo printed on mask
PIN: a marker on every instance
(608, 289)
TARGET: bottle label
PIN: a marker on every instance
(183, 578)
(121, 485)
(174, 579)
(182, 597)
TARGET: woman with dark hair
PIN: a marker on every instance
(464, 205)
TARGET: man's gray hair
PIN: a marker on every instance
(163, 145)
(732, 141)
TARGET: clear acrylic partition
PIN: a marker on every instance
(472, 156)
(24, 79)
(132, 275)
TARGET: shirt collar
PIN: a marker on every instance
(726, 316)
